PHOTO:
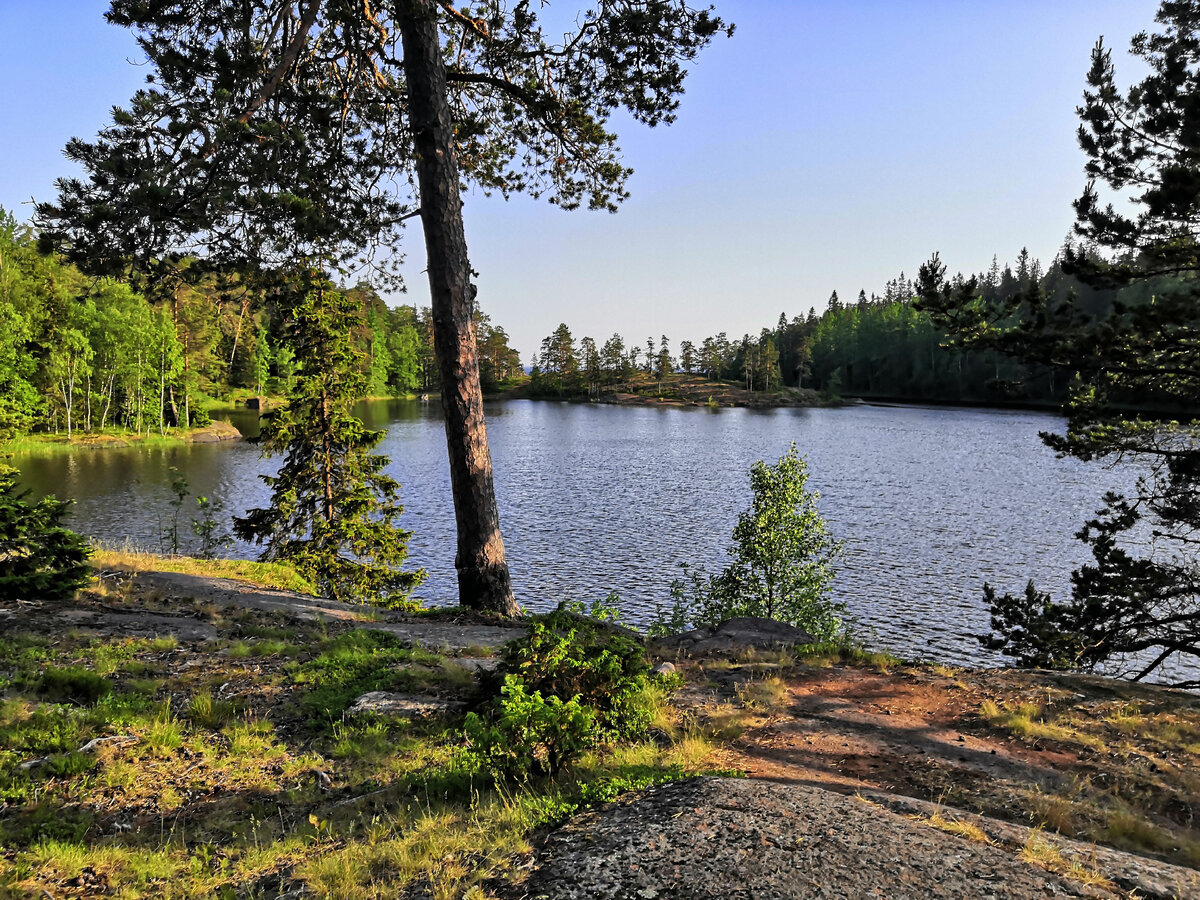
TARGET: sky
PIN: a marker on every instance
(825, 146)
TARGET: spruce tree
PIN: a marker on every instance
(40, 559)
(333, 510)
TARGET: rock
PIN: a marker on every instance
(741, 633)
(475, 663)
(385, 703)
(739, 839)
(664, 668)
(450, 638)
(211, 434)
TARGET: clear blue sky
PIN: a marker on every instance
(827, 145)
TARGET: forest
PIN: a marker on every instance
(83, 354)
(882, 345)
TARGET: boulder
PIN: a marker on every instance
(737, 839)
(741, 633)
(406, 706)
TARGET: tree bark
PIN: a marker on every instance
(483, 579)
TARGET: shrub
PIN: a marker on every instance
(565, 657)
(570, 683)
(39, 558)
(528, 733)
(782, 561)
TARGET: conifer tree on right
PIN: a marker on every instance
(1135, 608)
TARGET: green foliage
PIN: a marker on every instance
(39, 558)
(528, 733)
(209, 528)
(606, 609)
(333, 510)
(179, 492)
(570, 683)
(87, 356)
(206, 712)
(353, 664)
(301, 174)
(73, 684)
(564, 656)
(782, 561)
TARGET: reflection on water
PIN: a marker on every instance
(930, 502)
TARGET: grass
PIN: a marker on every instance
(768, 695)
(360, 661)
(229, 769)
(968, 830)
(205, 712)
(1042, 853)
(257, 649)
(163, 735)
(269, 575)
(55, 444)
(1027, 720)
(843, 652)
(236, 772)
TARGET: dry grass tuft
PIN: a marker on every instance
(968, 830)
(1042, 853)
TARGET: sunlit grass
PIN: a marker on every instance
(270, 575)
(164, 735)
(57, 444)
(829, 653)
(1040, 852)
(951, 825)
(767, 695)
(209, 713)
(1026, 720)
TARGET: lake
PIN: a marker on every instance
(931, 502)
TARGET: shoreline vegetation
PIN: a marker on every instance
(47, 444)
(679, 389)
(161, 695)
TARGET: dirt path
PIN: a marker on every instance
(849, 728)
(914, 742)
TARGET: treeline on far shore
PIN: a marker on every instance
(879, 345)
(81, 354)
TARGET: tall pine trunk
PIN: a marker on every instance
(483, 579)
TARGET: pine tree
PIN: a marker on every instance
(664, 364)
(282, 130)
(333, 510)
(1131, 611)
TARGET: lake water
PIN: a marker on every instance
(931, 502)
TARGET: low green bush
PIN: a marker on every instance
(528, 733)
(569, 684)
(72, 684)
(566, 656)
